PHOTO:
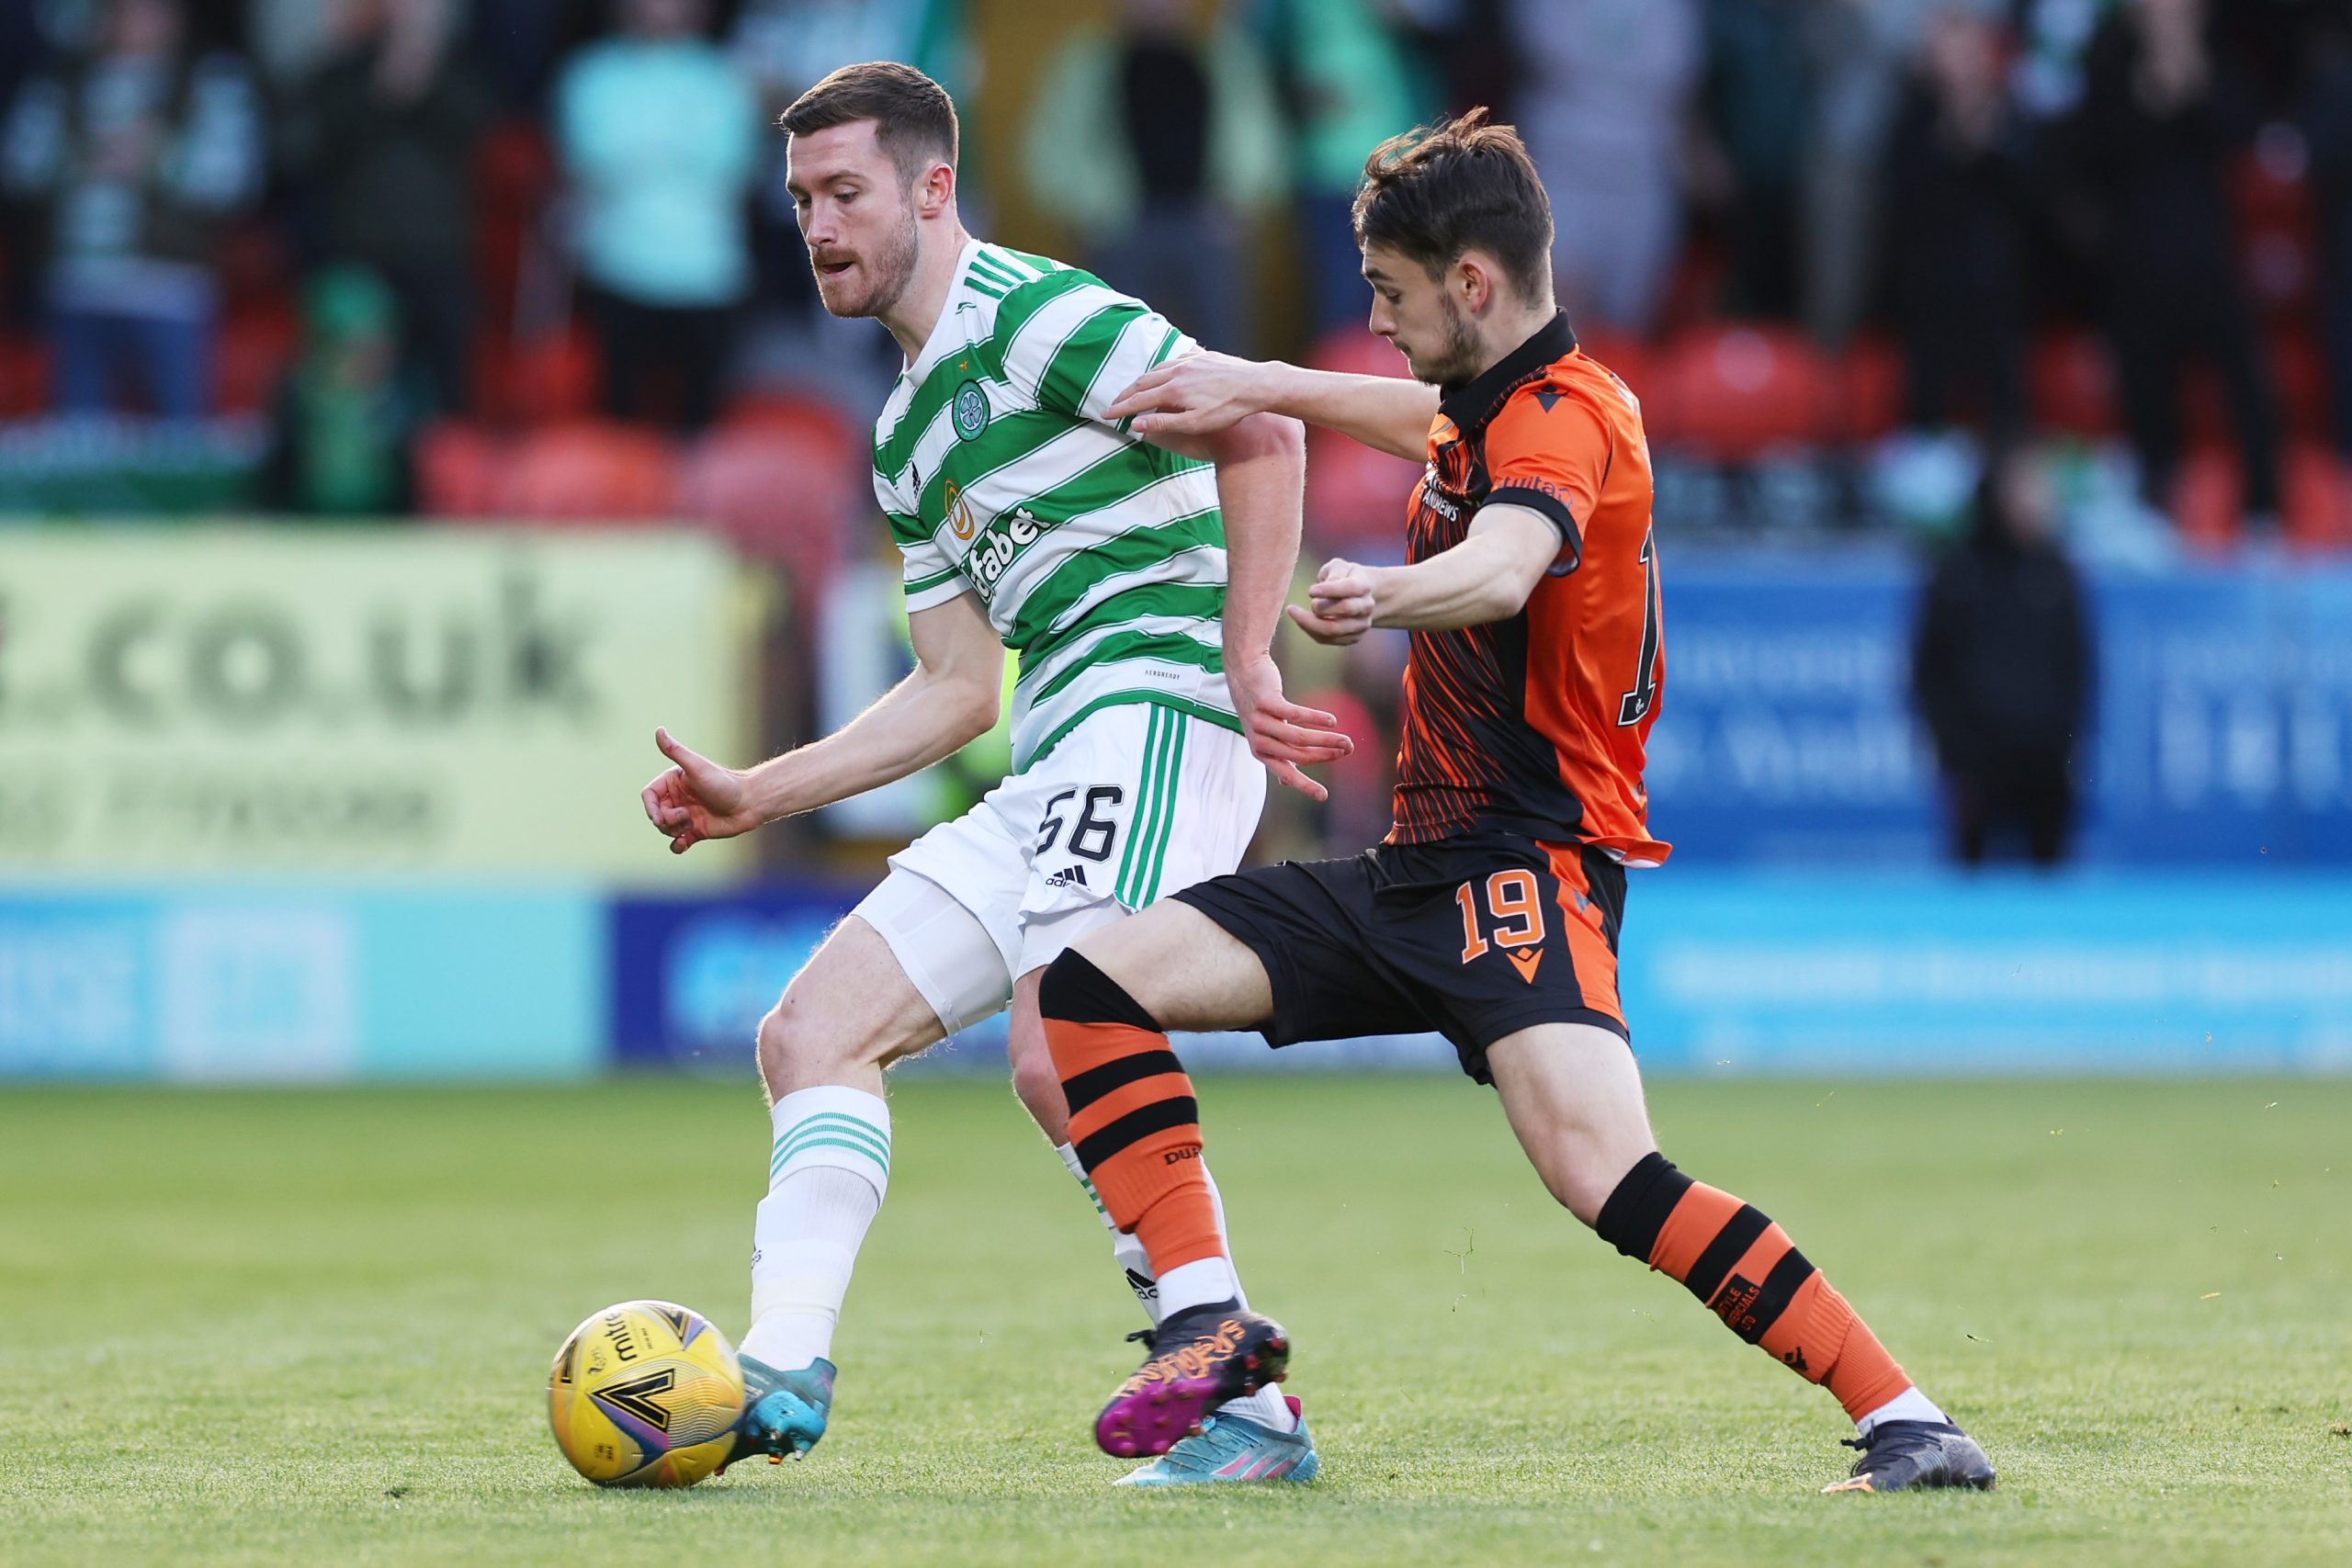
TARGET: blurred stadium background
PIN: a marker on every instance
(410, 403)
(406, 405)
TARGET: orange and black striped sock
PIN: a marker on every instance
(1133, 1119)
(1745, 1270)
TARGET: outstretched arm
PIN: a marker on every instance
(1202, 393)
(1487, 576)
(950, 699)
(1260, 471)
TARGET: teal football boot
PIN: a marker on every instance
(783, 1412)
(1233, 1448)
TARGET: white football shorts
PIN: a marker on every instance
(1136, 802)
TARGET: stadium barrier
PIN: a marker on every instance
(1761, 973)
(2221, 716)
(298, 984)
(1918, 973)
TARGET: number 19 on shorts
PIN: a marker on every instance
(1513, 914)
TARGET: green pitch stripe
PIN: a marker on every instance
(1167, 829)
(1138, 825)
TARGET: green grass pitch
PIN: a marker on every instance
(314, 1326)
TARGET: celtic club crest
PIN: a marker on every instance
(971, 410)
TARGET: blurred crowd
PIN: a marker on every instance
(1795, 222)
(486, 258)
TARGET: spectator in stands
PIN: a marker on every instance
(385, 132)
(2160, 119)
(658, 131)
(1181, 139)
(785, 47)
(1344, 70)
(1857, 51)
(2001, 669)
(1604, 102)
(289, 39)
(1960, 210)
(2327, 125)
(520, 45)
(132, 156)
(1760, 101)
(345, 420)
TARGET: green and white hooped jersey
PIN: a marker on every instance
(1099, 557)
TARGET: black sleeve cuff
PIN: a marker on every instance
(1554, 511)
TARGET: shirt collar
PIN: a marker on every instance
(1471, 403)
(945, 332)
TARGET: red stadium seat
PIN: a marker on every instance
(588, 472)
(547, 380)
(2073, 385)
(785, 478)
(2300, 373)
(1626, 356)
(1356, 352)
(2205, 504)
(1734, 392)
(457, 470)
(250, 359)
(2278, 235)
(514, 176)
(1869, 404)
(1355, 496)
(24, 378)
(2210, 509)
(2319, 496)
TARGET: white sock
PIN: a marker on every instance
(828, 1170)
(1135, 1263)
(1203, 1282)
(1909, 1405)
(1267, 1406)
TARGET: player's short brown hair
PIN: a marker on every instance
(914, 119)
(1468, 184)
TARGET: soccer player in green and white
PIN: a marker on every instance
(1141, 585)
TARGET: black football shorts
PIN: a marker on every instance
(1474, 937)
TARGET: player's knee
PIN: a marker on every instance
(1075, 991)
(1579, 1175)
(797, 1051)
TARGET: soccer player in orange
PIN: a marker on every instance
(1491, 912)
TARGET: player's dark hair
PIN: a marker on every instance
(914, 119)
(1468, 184)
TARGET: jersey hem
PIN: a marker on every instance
(1112, 699)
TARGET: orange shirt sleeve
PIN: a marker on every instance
(1549, 451)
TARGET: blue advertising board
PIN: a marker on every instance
(301, 984)
(2221, 727)
(1754, 972)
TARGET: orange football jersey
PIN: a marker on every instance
(1538, 723)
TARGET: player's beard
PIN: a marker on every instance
(1460, 360)
(888, 269)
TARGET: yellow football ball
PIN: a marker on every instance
(646, 1393)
